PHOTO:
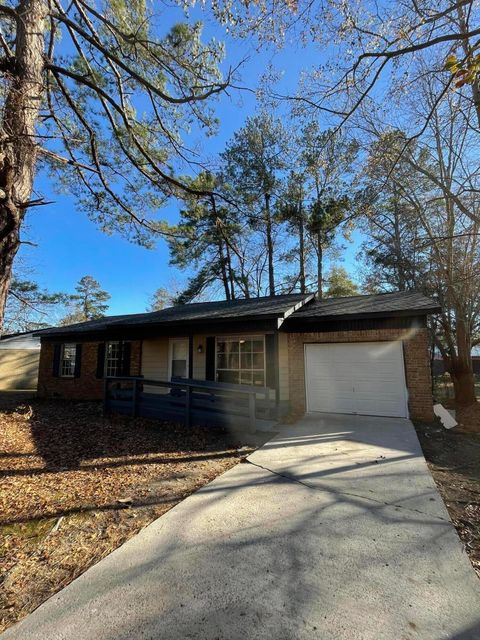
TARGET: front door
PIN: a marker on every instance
(178, 358)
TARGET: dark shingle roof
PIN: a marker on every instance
(398, 303)
(269, 307)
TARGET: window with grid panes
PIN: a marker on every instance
(241, 360)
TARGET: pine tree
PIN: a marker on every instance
(89, 301)
(99, 93)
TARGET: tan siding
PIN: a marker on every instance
(155, 359)
(199, 359)
(156, 354)
(155, 362)
(19, 368)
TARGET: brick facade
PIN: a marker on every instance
(417, 370)
(87, 386)
(415, 347)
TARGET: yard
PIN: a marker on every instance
(76, 485)
(453, 457)
(467, 417)
(443, 389)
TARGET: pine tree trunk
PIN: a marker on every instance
(301, 242)
(319, 269)
(268, 221)
(223, 268)
(18, 150)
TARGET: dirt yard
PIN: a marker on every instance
(76, 485)
(454, 460)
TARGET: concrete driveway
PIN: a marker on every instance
(334, 529)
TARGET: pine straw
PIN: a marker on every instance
(76, 485)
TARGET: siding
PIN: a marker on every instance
(155, 362)
(19, 368)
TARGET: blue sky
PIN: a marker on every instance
(70, 246)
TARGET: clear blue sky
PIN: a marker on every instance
(69, 244)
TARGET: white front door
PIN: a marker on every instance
(178, 358)
(365, 378)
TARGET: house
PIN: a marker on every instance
(19, 360)
(362, 354)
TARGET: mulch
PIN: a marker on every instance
(76, 485)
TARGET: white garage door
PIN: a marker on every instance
(365, 378)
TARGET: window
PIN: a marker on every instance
(67, 361)
(113, 358)
(178, 358)
(241, 360)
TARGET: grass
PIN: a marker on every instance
(76, 485)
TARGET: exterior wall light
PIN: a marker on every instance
(200, 348)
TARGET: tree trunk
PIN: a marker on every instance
(223, 268)
(18, 149)
(461, 368)
(301, 242)
(231, 277)
(463, 385)
(268, 221)
(398, 244)
(319, 268)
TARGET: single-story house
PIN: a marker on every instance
(19, 360)
(362, 354)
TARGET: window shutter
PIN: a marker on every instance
(210, 359)
(78, 360)
(270, 364)
(57, 352)
(125, 359)
(100, 359)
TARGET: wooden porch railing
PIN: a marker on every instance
(188, 401)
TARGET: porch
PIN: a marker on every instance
(189, 401)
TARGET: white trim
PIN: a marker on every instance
(170, 353)
(60, 372)
(294, 308)
(106, 359)
(244, 336)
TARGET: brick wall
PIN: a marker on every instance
(87, 386)
(417, 369)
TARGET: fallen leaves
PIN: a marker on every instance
(76, 485)
(454, 461)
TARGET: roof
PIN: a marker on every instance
(264, 308)
(26, 340)
(390, 304)
(295, 307)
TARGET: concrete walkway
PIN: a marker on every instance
(333, 530)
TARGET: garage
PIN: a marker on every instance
(358, 378)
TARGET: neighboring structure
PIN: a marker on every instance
(19, 360)
(361, 354)
(439, 366)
